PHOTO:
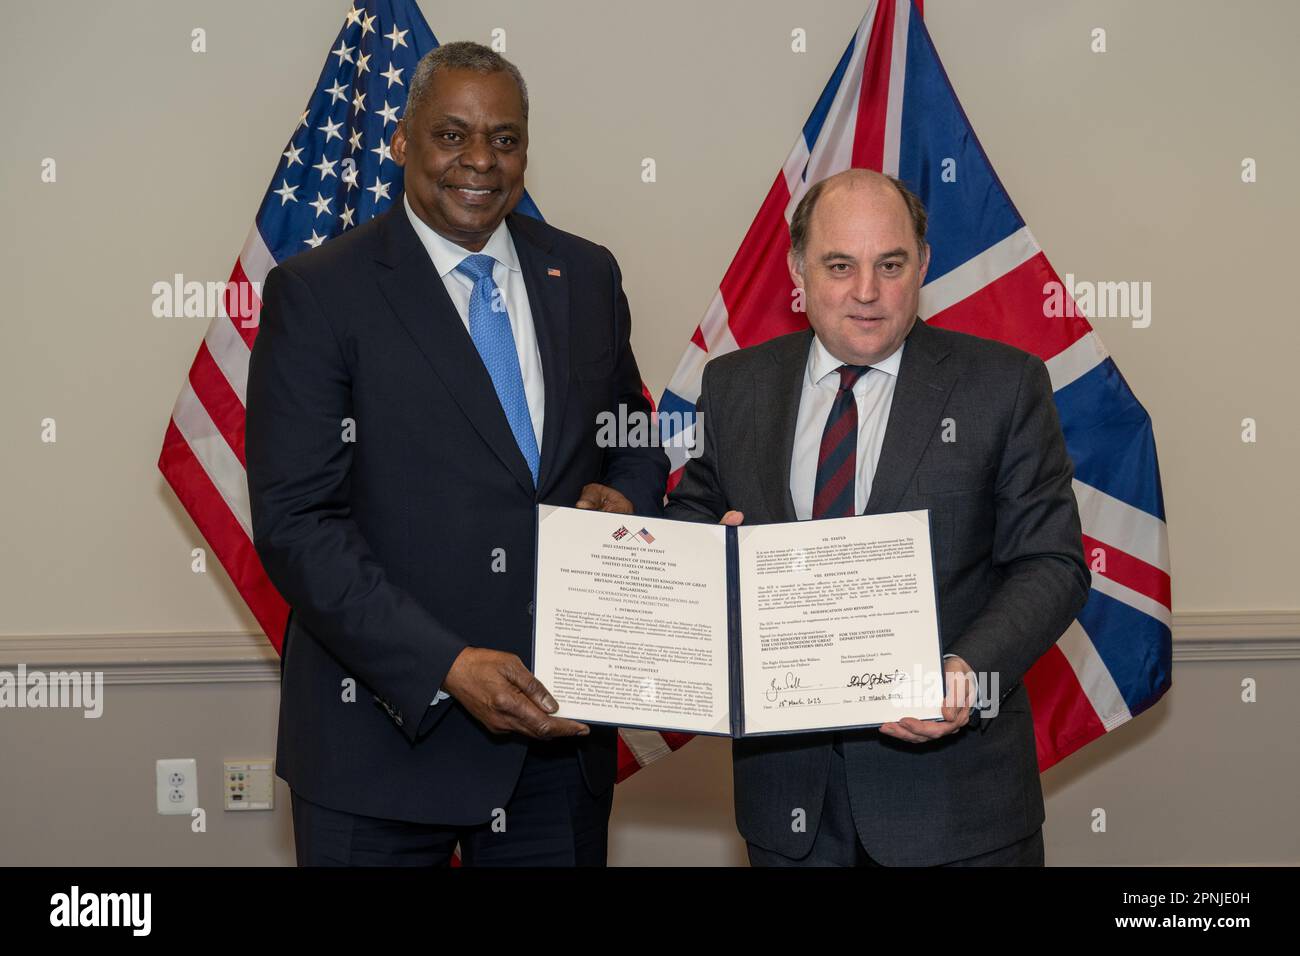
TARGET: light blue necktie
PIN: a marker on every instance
(490, 330)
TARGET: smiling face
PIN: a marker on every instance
(464, 151)
(862, 271)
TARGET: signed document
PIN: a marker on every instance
(677, 625)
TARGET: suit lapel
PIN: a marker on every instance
(546, 277)
(919, 398)
(777, 391)
(417, 296)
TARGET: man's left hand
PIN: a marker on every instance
(959, 695)
(596, 497)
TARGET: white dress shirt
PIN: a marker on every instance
(874, 393)
(509, 278)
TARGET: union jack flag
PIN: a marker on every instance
(890, 107)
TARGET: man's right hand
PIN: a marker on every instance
(733, 518)
(504, 696)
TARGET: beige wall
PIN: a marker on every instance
(1124, 164)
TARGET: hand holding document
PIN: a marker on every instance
(738, 631)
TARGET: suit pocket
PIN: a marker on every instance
(947, 481)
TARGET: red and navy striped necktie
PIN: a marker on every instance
(837, 462)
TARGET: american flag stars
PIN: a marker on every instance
(342, 140)
(286, 192)
(331, 131)
(397, 36)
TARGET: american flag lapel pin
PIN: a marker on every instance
(552, 272)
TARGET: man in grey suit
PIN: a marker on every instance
(872, 411)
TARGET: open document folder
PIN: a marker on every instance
(706, 629)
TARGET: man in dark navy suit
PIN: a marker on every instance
(418, 385)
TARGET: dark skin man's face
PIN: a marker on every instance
(464, 151)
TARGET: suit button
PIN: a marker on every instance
(532, 606)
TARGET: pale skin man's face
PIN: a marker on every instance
(862, 272)
(464, 152)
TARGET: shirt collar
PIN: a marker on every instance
(447, 255)
(821, 363)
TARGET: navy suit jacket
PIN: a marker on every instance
(387, 491)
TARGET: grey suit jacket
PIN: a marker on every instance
(1010, 572)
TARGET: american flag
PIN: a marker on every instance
(646, 536)
(890, 107)
(335, 173)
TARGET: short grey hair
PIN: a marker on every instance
(801, 221)
(461, 55)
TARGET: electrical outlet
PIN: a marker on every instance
(177, 786)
